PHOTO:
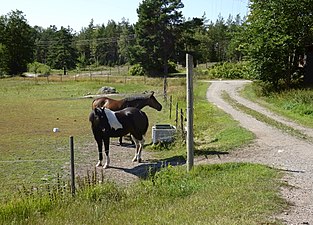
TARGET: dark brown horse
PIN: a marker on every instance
(106, 123)
(134, 101)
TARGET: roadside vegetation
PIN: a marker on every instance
(261, 117)
(296, 103)
(211, 194)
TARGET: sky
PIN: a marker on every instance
(78, 13)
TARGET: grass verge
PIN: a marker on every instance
(232, 193)
(295, 104)
(215, 132)
(263, 118)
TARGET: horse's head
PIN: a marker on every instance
(99, 119)
(153, 102)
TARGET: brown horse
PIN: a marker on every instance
(134, 101)
(106, 123)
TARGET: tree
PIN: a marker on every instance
(276, 33)
(3, 50)
(191, 41)
(99, 44)
(62, 54)
(3, 60)
(84, 45)
(234, 36)
(156, 33)
(18, 41)
(44, 38)
(125, 41)
(106, 46)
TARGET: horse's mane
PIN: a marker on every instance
(138, 97)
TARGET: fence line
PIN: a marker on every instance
(31, 160)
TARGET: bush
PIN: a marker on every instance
(172, 67)
(38, 68)
(137, 70)
(229, 70)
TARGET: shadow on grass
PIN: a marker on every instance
(209, 151)
(149, 168)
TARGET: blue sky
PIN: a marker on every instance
(78, 13)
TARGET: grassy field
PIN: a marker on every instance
(32, 157)
(30, 152)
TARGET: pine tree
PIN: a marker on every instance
(156, 32)
(18, 40)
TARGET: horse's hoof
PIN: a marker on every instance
(105, 166)
(139, 160)
(99, 164)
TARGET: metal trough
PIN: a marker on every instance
(163, 133)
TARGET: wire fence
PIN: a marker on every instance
(42, 171)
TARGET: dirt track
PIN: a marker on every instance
(274, 148)
(271, 147)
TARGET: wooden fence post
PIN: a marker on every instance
(182, 123)
(72, 166)
(189, 140)
(171, 106)
(176, 117)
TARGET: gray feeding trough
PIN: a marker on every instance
(163, 133)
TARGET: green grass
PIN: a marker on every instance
(30, 110)
(34, 158)
(231, 193)
(214, 131)
(296, 104)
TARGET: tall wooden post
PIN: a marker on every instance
(72, 165)
(189, 140)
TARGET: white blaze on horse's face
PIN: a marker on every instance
(113, 121)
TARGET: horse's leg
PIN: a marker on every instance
(135, 159)
(121, 140)
(139, 146)
(141, 143)
(106, 149)
(99, 143)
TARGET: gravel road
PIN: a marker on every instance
(274, 148)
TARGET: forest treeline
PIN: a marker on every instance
(273, 37)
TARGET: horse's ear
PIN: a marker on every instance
(97, 111)
(152, 93)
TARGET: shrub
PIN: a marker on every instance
(172, 67)
(137, 70)
(229, 70)
(38, 68)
